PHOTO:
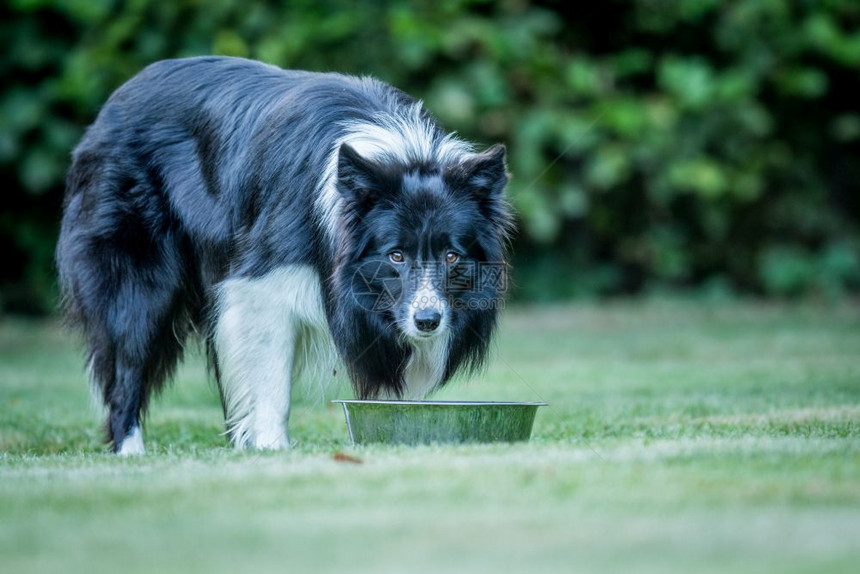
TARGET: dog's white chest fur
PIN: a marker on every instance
(425, 368)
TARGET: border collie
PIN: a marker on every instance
(280, 214)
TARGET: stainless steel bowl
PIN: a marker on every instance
(426, 422)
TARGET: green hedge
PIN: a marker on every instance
(654, 143)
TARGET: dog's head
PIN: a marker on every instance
(424, 244)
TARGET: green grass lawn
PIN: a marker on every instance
(680, 436)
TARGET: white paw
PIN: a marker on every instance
(132, 444)
(275, 440)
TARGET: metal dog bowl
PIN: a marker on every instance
(426, 422)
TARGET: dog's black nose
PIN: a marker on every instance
(427, 319)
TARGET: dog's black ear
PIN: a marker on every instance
(360, 180)
(484, 174)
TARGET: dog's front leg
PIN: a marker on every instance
(255, 346)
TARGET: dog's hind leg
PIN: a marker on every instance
(123, 286)
(145, 328)
(149, 329)
(125, 400)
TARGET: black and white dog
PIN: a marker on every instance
(277, 212)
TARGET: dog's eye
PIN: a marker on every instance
(396, 256)
(452, 257)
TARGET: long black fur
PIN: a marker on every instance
(204, 169)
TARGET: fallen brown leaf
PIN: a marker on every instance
(343, 457)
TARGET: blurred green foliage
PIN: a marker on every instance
(653, 143)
